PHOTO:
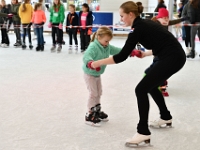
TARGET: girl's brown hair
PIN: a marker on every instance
(54, 6)
(101, 32)
(4, 2)
(16, 2)
(37, 5)
(41, 1)
(130, 6)
(24, 5)
(161, 1)
(195, 3)
(73, 6)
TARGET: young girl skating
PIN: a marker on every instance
(57, 16)
(99, 48)
(38, 19)
(25, 13)
(72, 20)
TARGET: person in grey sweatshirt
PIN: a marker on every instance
(194, 15)
(185, 13)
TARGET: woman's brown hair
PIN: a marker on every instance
(101, 32)
(37, 5)
(130, 6)
(24, 5)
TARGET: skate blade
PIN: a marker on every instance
(104, 120)
(145, 143)
(92, 124)
(167, 125)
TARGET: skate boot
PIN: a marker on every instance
(17, 44)
(70, 49)
(92, 117)
(30, 46)
(102, 116)
(59, 49)
(163, 89)
(187, 50)
(138, 139)
(5, 45)
(76, 47)
(160, 123)
(53, 48)
(42, 48)
(191, 54)
(38, 48)
(23, 46)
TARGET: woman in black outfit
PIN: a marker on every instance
(161, 4)
(171, 59)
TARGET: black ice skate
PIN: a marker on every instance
(24, 46)
(38, 48)
(17, 44)
(102, 116)
(30, 46)
(42, 48)
(191, 54)
(92, 117)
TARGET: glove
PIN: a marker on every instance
(89, 65)
(136, 53)
(60, 26)
(10, 15)
(42, 23)
(29, 25)
(50, 25)
(89, 31)
(185, 18)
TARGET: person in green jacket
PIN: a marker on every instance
(57, 16)
(16, 22)
(99, 48)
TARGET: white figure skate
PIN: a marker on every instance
(137, 140)
(160, 123)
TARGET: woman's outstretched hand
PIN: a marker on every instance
(95, 64)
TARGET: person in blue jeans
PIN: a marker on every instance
(38, 20)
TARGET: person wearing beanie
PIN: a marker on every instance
(163, 19)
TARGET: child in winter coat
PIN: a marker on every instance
(85, 19)
(3, 25)
(99, 48)
(16, 22)
(38, 19)
(25, 13)
(72, 20)
(57, 16)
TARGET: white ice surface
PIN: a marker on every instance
(43, 101)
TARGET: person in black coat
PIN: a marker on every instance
(72, 20)
(3, 25)
(85, 19)
(161, 4)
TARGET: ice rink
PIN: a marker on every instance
(43, 99)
